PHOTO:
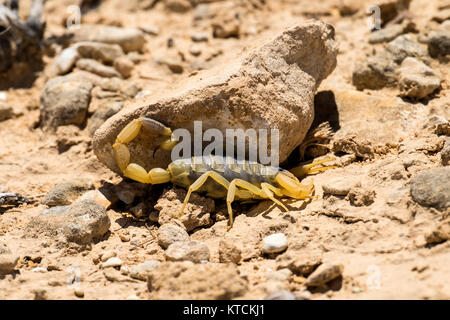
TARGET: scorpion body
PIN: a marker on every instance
(219, 177)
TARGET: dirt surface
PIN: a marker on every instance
(379, 228)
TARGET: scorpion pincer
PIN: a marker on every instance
(229, 179)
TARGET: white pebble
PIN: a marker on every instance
(275, 243)
(39, 270)
(2, 95)
(112, 262)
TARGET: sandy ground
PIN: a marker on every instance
(380, 243)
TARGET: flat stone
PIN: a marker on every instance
(323, 274)
(194, 251)
(106, 53)
(66, 192)
(112, 263)
(142, 270)
(129, 39)
(97, 68)
(340, 186)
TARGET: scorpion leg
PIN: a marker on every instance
(200, 181)
(264, 192)
(306, 169)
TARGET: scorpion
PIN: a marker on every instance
(229, 179)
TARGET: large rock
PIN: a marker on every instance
(65, 101)
(270, 87)
(82, 222)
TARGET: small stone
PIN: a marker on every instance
(352, 144)
(151, 30)
(389, 33)
(125, 88)
(66, 192)
(8, 262)
(65, 101)
(195, 50)
(4, 249)
(228, 251)
(280, 295)
(112, 263)
(78, 292)
(106, 255)
(174, 65)
(275, 243)
(124, 270)
(323, 274)
(194, 251)
(124, 237)
(6, 112)
(103, 52)
(361, 196)
(128, 38)
(439, 234)
(141, 270)
(65, 61)
(97, 68)
(199, 36)
(439, 43)
(340, 186)
(39, 270)
(97, 196)
(170, 233)
(179, 6)
(154, 216)
(405, 46)
(68, 136)
(140, 210)
(127, 192)
(300, 263)
(416, 79)
(201, 11)
(431, 188)
(133, 297)
(124, 65)
(279, 275)
(81, 223)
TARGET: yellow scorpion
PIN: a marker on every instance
(231, 179)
